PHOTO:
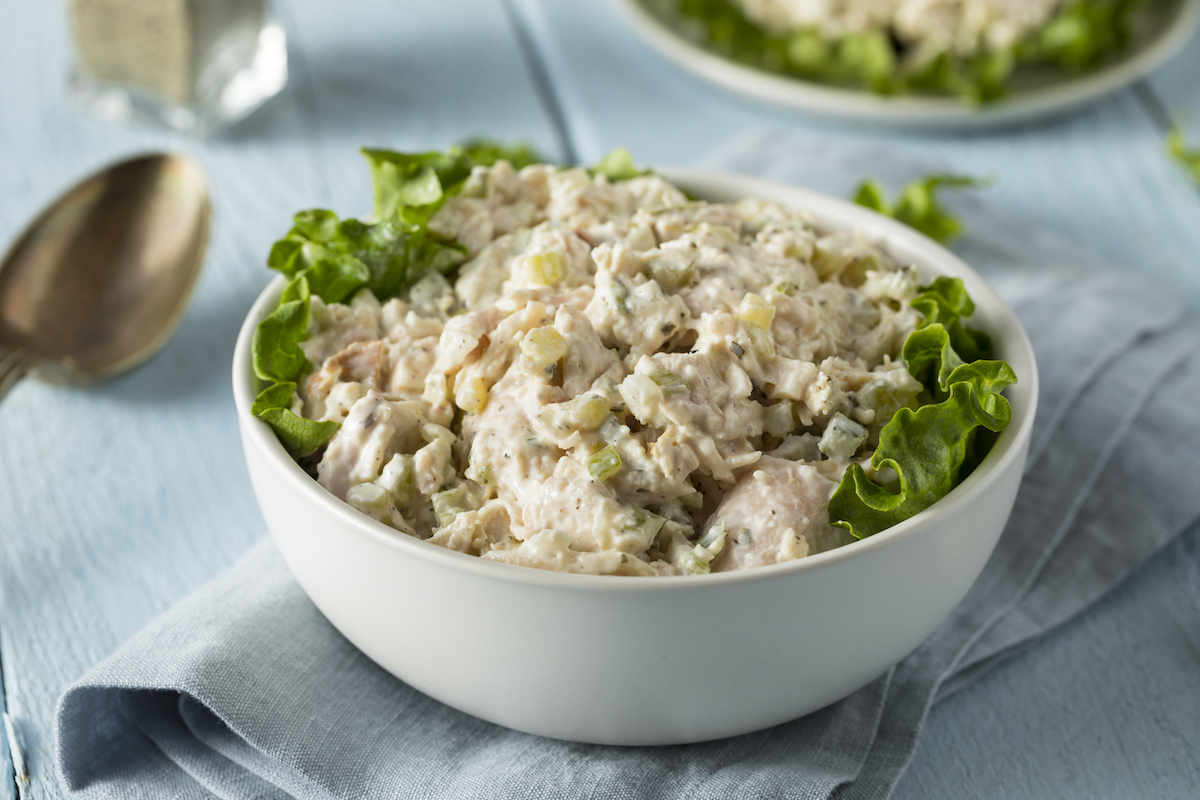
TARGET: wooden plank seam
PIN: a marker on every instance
(17, 754)
(16, 777)
(544, 85)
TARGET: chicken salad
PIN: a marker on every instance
(590, 371)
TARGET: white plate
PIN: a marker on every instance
(1161, 28)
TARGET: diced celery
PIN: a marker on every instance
(371, 500)
(642, 395)
(544, 347)
(807, 49)
(780, 420)
(756, 311)
(434, 466)
(878, 396)
(398, 479)
(589, 411)
(672, 511)
(671, 271)
(693, 500)
(717, 546)
(698, 560)
(432, 296)
(472, 397)
(482, 476)
(604, 464)
(657, 544)
(829, 255)
(436, 433)
(610, 390)
(612, 431)
(548, 268)
(842, 438)
(761, 341)
(888, 392)
(620, 294)
(671, 383)
(649, 524)
(713, 537)
(856, 269)
(798, 448)
(449, 504)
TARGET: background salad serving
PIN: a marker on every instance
(890, 46)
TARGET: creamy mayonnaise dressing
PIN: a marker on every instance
(619, 381)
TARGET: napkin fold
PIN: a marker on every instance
(243, 690)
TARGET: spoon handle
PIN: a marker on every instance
(14, 363)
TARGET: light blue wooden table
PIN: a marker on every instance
(116, 501)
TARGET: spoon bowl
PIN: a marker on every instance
(101, 279)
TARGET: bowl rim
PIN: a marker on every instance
(917, 111)
(832, 213)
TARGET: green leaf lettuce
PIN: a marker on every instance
(333, 258)
(275, 348)
(945, 302)
(929, 449)
(299, 436)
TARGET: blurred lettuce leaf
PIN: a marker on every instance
(618, 165)
(1081, 34)
(917, 204)
(1178, 149)
(486, 152)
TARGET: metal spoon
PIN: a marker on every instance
(99, 282)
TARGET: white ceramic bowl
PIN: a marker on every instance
(1159, 30)
(648, 661)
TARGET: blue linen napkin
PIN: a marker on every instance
(243, 690)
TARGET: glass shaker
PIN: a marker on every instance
(193, 65)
